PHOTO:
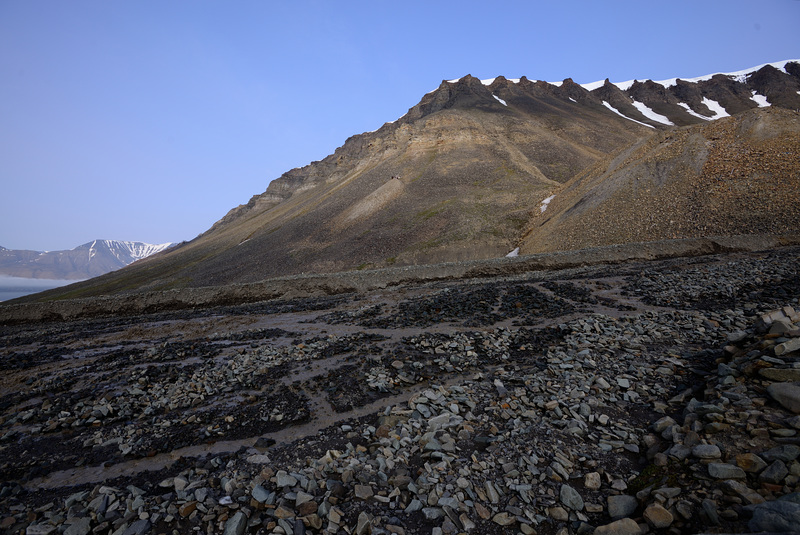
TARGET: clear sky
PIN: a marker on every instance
(148, 120)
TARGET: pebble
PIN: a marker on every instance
(570, 497)
(625, 526)
(621, 505)
(657, 516)
(725, 471)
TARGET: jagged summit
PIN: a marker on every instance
(739, 76)
(671, 102)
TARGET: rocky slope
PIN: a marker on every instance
(734, 176)
(644, 398)
(83, 262)
(463, 173)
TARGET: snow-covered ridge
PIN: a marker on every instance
(717, 110)
(740, 76)
(121, 249)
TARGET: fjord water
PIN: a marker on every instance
(13, 287)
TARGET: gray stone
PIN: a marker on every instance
(363, 492)
(180, 483)
(657, 516)
(40, 529)
(491, 493)
(415, 505)
(142, 526)
(785, 453)
(774, 473)
(663, 424)
(260, 494)
(283, 479)
(710, 509)
(364, 526)
(432, 513)
(781, 326)
(621, 505)
(725, 471)
(302, 498)
(79, 527)
(592, 481)
(235, 524)
(743, 490)
(788, 346)
(780, 374)
(679, 451)
(504, 519)
(571, 498)
(787, 394)
(72, 499)
(775, 516)
(625, 526)
(706, 451)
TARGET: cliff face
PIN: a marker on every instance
(463, 173)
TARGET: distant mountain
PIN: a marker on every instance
(468, 171)
(83, 262)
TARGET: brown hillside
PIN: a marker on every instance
(739, 175)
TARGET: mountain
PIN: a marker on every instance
(83, 262)
(465, 173)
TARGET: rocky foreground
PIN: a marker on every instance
(656, 397)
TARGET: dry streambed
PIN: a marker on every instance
(639, 396)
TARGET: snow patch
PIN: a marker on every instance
(513, 254)
(739, 76)
(714, 106)
(761, 100)
(573, 100)
(650, 114)
(546, 202)
(692, 112)
(625, 85)
(593, 85)
(500, 100)
(612, 108)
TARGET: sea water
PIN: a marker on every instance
(13, 287)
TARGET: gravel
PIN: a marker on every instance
(605, 399)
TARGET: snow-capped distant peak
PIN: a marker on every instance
(125, 251)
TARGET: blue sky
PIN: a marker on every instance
(149, 120)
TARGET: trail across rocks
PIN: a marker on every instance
(653, 397)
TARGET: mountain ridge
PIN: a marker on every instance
(462, 175)
(692, 91)
(84, 261)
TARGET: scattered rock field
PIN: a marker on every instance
(656, 397)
